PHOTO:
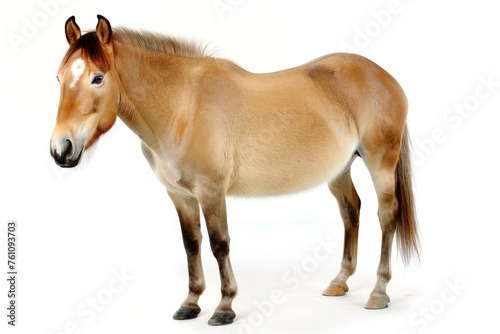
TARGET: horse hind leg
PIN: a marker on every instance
(382, 167)
(349, 204)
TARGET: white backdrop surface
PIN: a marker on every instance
(100, 249)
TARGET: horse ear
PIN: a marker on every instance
(72, 29)
(103, 30)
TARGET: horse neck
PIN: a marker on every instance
(147, 99)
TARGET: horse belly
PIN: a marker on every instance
(294, 159)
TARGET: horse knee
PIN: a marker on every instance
(220, 247)
(192, 245)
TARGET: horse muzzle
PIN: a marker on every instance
(64, 152)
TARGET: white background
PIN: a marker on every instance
(78, 228)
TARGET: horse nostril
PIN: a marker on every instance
(67, 150)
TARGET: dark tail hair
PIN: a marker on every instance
(407, 228)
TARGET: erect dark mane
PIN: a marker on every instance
(160, 43)
(92, 49)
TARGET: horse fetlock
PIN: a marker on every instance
(196, 288)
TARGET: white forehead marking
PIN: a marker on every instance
(77, 69)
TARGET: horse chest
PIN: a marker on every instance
(167, 172)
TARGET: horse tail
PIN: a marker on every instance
(407, 228)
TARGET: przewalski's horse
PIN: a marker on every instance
(208, 128)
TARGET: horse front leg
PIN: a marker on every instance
(213, 204)
(189, 216)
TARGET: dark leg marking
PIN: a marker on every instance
(189, 217)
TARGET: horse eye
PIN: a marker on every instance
(97, 80)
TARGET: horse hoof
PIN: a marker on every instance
(377, 302)
(336, 290)
(185, 313)
(219, 319)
